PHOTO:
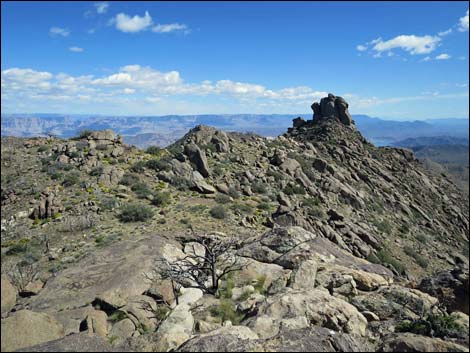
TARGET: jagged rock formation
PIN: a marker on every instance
(341, 242)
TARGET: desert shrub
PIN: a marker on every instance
(97, 171)
(181, 183)
(311, 202)
(77, 223)
(242, 208)
(383, 226)
(140, 189)
(259, 286)
(294, 189)
(43, 148)
(233, 193)
(434, 326)
(103, 240)
(161, 199)
(218, 212)
(226, 290)
(138, 167)
(161, 164)
(222, 198)
(226, 311)
(155, 150)
(265, 206)
(129, 179)
(108, 203)
(259, 188)
(71, 178)
(420, 260)
(278, 176)
(422, 238)
(135, 212)
(84, 134)
(384, 257)
(118, 315)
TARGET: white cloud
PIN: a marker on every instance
(172, 27)
(128, 24)
(361, 47)
(76, 49)
(410, 43)
(443, 57)
(463, 23)
(445, 33)
(427, 58)
(101, 7)
(57, 31)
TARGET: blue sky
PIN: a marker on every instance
(402, 60)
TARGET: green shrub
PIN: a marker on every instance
(265, 206)
(84, 134)
(71, 179)
(422, 238)
(161, 199)
(233, 193)
(155, 150)
(242, 208)
(259, 188)
(259, 286)
(294, 189)
(222, 198)
(140, 189)
(138, 167)
(384, 257)
(218, 212)
(97, 171)
(384, 226)
(118, 315)
(43, 148)
(226, 311)
(108, 203)
(158, 164)
(433, 326)
(129, 179)
(311, 202)
(420, 260)
(181, 183)
(135, 212)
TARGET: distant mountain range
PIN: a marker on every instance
(163, 130)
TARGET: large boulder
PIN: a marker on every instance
(408, 342)
(313, 339)
(111, 275)
(83, 342)
(8, 298)
(388, 302)
(175, 330)
(318, 306)
(332, 106)
(27, 328)
(198, 158)
(451, 287)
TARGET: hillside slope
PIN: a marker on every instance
(341, 244)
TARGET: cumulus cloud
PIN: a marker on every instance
(463, 23)
(57, 31)
(443, 57)
(410, 43)
(128, 24)
(76, 49)
(172, 27)
(101, 7)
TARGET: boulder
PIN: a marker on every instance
(82, 342)
(198, 158)
(304, 276)
(8, 297)
(408, 342)
(319, 307)
(122, 330)
(112, 275)
(96, 322)
(26, 328)
(201, 185)
(175, 330)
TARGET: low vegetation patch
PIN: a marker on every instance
(135, 212)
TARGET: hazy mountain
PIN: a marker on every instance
(162, 130)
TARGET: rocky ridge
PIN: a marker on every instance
(344, 243)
